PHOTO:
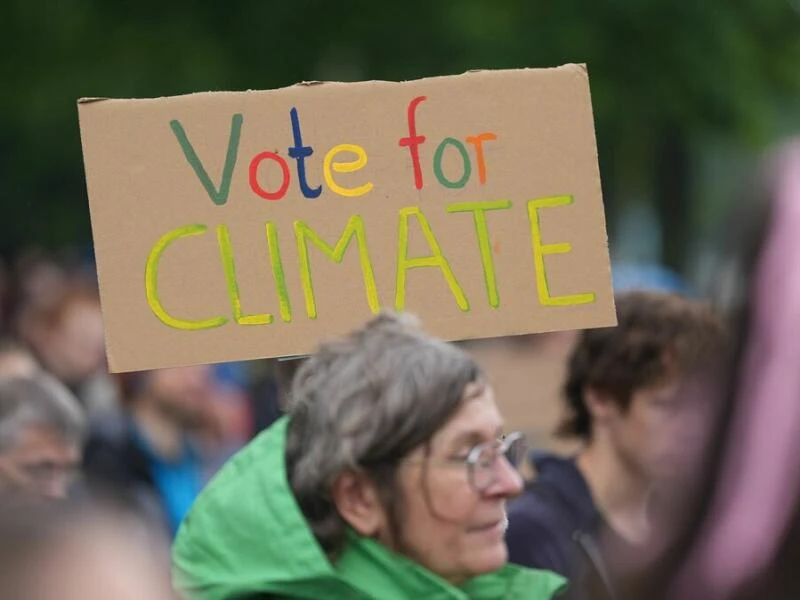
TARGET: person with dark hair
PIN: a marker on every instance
(737, 535)
(42, 428)
(387, 479)
(628, 391)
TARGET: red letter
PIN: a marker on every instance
(254, 185)
(413, 140)
(477, 141)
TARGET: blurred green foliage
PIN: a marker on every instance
(661, 71)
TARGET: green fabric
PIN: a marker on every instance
(245, 536)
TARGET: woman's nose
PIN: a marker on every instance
(508, 481)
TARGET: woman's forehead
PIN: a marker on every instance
(478, 415)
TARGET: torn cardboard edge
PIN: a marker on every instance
(293, 357)
(312, 83)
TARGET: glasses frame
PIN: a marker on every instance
(500, 449)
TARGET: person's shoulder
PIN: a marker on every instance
(543, 504)
(557, 493)
(533, 522)
(537, 541)
(543, 519)
(536, 502)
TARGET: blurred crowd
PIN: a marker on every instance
(191, 418)
(683, 484)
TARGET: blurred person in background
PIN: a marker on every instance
(232, 403)
(270, 392)
(15, 359)
(155, 453)
(35, 279)
(629, 394)
(386, 480)
(66, 334)
(79, 553)
(737, 536)
(42, 429)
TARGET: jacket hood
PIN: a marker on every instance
(246, 536)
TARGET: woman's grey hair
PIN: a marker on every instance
(362, 404)
(38, 401)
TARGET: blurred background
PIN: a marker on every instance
(685, 94)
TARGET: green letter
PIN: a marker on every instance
(540, 250)
(478, 209)
(218, 197)
(226, 253)
(437, 259)
(355, 227)
(437, 164)
(151, 282)
(277, 273)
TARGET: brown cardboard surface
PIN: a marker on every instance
(217, 290)
(527, 374)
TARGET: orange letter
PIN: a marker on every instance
(477, 141)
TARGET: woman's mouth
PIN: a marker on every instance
(495, 527)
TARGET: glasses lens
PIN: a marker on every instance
(484, 464)
(483, 467)
(516, 451)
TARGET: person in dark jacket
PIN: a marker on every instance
(152, 458)
(632, 401)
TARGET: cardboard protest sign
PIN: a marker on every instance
(238, 225)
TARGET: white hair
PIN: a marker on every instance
(38, 401)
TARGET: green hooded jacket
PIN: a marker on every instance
(245, 537)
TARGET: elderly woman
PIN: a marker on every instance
(386, 480)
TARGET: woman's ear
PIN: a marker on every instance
(358, 502)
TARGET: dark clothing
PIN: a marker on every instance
(119, 465)
(265, 404)
(555, 525)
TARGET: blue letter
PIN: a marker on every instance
(300, 152)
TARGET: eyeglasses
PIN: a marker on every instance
(47, 471)
(481, 461)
